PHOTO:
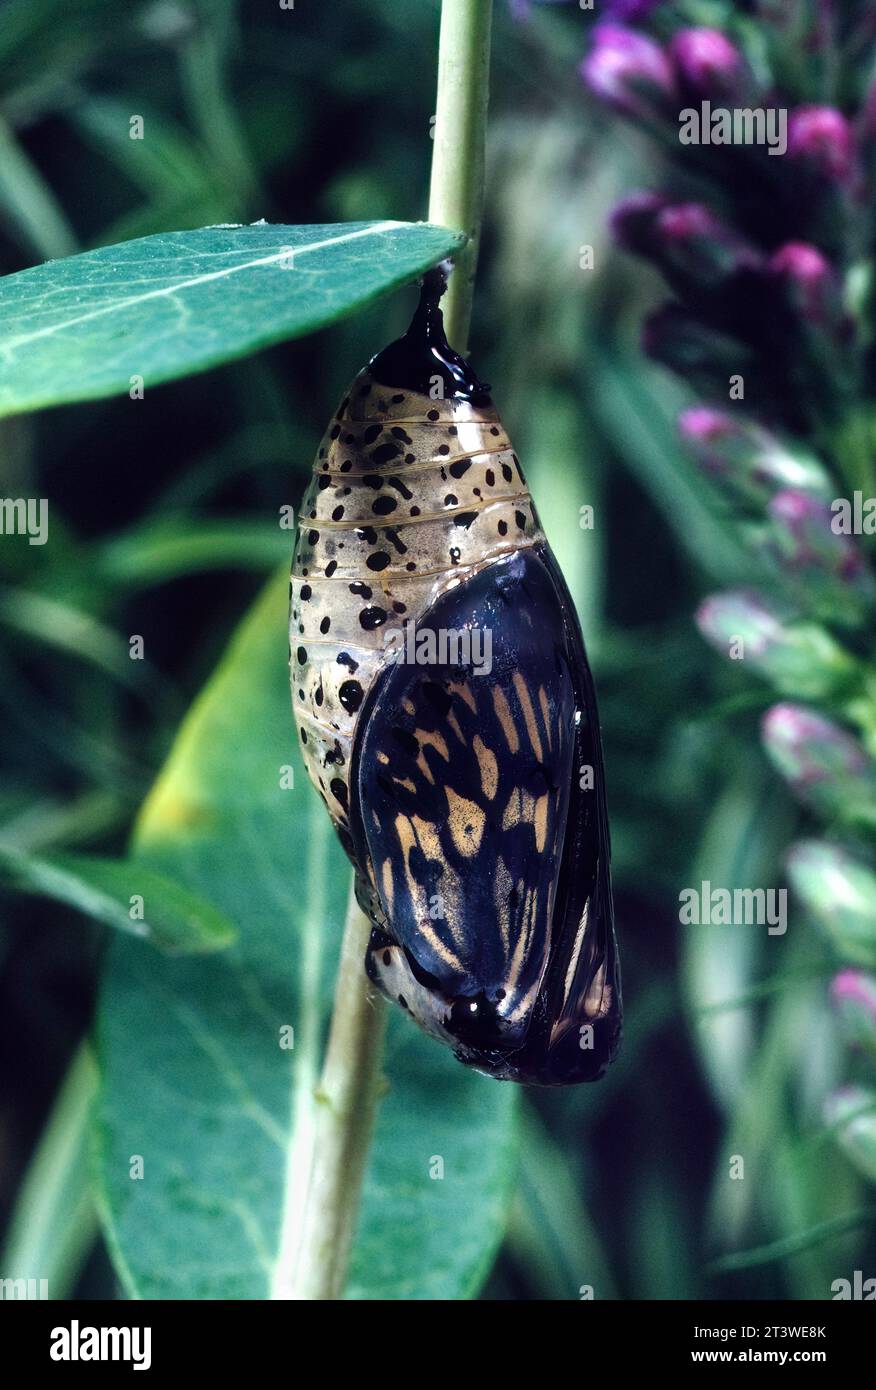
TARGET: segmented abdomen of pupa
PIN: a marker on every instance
(409, 496)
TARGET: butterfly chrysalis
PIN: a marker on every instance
(448, 719)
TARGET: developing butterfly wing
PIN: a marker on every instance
(463, 780)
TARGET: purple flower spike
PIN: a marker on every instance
(627, 70)
(822, 136)
(707, 63)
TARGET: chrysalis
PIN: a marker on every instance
(448, 719)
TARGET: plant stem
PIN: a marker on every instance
(456, 195)
(346, 1105)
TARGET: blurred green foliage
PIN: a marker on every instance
(164, 514)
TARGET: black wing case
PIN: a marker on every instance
(478, 823)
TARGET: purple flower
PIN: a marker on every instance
(806, 521)
(686, 240)
(707, 63)
(804, 262)
(689, 223)
(823, 137)
(825, 570)
(800, 659)
(700, 424)
(810, 747)
(627, 70)
(822, 763)
(811, 281)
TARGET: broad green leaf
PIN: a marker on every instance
(166, 912)
(164, 306)
(193, 1076)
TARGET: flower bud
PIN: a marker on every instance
(825, 570)
(851, 1111)
(839, 891)
(821, 137)
(707, 64)
(700, 248)
(692, 247)
(799, 658)
(810, 283)
(632, 220)
(853, 992)
(628, 70)
(824, 765)
(748, 463)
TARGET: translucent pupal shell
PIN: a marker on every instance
(471, 801)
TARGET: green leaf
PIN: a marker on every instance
(174, 918)
(209, 1099)
(162, 550)
(163, 306)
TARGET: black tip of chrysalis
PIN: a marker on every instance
(423, 354)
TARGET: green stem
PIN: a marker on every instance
(456, 196)
(346, 1106)
(54, 1224)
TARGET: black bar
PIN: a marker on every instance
(655, 1338)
